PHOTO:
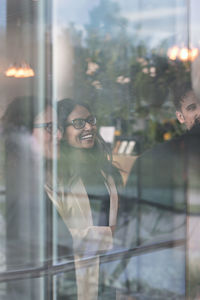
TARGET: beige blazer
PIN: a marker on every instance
(88, 240)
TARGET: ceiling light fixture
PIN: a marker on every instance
(183, 54)
(22, 71)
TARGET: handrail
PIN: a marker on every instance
(172, 209)
(140, 201)
(61, 267)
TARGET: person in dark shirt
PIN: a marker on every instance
(155, 207)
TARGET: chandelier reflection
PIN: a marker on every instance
(183, 54)
(22, 71)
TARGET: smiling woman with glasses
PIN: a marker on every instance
(89, 201)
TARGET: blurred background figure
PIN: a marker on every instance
(31, 146)
(187, 106)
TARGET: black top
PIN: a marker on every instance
(99, 197)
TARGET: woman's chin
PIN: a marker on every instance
(87, 144)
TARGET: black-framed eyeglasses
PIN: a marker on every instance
(48, 127)
(80, 123)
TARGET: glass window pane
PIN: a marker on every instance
(99, 172)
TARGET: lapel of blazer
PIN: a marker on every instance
(82, 203)
(74, 206)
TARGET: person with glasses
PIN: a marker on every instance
(26, 114)
(47, 134)
(32, 143)
(89, 201)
